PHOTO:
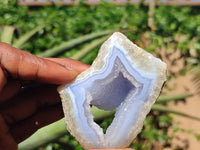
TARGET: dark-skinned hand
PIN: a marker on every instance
(28, 93)
(28, 96)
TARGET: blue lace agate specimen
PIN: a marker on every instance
(122, 77)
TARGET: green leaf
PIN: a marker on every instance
(7, 34)
(157, 107)
(168, 98)
(24, 38)
(55, 131)
(55, 51)
(44, 135)
(80, 54)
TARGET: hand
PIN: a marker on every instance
(28, 96)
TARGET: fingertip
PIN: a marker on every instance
(82, 67)
(70, 76)
(63, 76)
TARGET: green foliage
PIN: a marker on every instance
(178, 19)
(11, 14)
(172, 21)
(62, 47)
(65, 23)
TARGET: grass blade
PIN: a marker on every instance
(24, 38)
(7, 34)
(80, 54)
(55, 130)
(44, 135)
(55, 51)
(157, 107)
(168, 98)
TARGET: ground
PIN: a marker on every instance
(182, 85)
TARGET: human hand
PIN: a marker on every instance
(28, 96)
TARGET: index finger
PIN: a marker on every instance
(25, 66)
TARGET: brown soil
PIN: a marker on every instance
(183, 85)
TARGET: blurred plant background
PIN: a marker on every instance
(78, 31)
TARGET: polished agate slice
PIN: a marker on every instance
(123, 77)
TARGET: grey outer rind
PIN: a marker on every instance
(144, 61)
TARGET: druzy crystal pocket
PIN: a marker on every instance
(122, 77)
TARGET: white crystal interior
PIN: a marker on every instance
(119, 83)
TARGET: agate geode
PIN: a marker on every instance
(122, 77)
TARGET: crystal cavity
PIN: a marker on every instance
(122, 77)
